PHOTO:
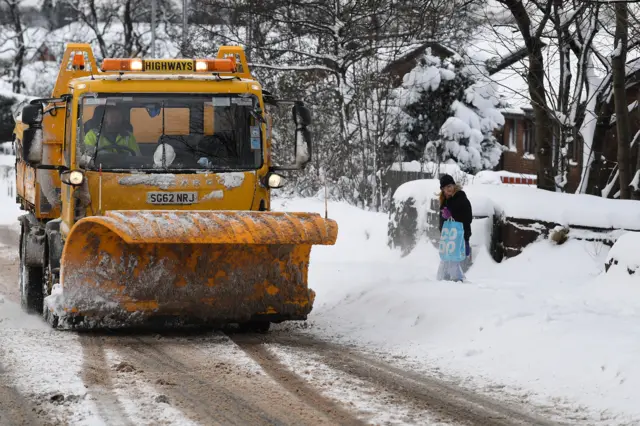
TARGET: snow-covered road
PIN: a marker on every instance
(209, 377)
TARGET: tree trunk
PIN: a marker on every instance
(537, 91)
(543, 122)
(620, 96)
(21, 51)
(127, 23)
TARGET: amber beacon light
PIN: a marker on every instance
(225, 65)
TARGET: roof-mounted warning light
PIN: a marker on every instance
(226, 65)
(216, 65)
(78, 61)
(114, 64)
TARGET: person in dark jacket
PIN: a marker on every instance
(455, 205)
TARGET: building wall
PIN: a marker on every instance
(518, 136)
(514, 159)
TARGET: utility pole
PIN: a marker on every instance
(153, 28)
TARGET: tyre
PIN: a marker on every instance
(31, 297)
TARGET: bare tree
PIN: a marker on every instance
(532, 32)
(618, 63)
(15, 42)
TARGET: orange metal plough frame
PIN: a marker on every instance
(222, 266)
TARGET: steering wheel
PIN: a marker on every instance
(118, 148)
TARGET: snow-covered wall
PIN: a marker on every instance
(520, 214)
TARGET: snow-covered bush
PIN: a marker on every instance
(448, 109)
(624, 257)
(559, 234)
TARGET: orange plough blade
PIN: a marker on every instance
(209, 266)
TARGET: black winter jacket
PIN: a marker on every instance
(460, 209)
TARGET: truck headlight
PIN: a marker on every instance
(72, 177)
(76, 177)
(275, 181)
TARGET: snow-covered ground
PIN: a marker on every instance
(9, 210)
(545, 327)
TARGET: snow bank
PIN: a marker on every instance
(523, 201)
(546, 328)
(623, 259)
(9, 210)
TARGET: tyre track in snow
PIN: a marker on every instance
(208, 391)
(96, 375)
(445, 401)
(294, 383)
(14, 408)
(14, 411)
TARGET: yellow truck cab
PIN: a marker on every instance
(147, 190)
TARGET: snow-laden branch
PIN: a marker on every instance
(293, 67)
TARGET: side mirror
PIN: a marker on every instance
(301, 113)
(32, 115)
(32, 145)
(302, 119)
(303, 147)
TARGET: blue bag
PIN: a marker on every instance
(452, 246)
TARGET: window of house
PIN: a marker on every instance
(529, 143)
(573, 151)
(511, 136)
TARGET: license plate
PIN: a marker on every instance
(172, 197)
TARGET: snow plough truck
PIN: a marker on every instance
(146, 185)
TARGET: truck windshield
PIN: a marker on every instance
(165, 131)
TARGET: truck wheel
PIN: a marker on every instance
(31, 297)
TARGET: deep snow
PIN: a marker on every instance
(545, 327)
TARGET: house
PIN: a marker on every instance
(518, 136)
(43, 54)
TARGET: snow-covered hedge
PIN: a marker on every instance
(624, 256)
(520, 214)
(522, 201)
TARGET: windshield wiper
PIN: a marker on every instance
(94, 156)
